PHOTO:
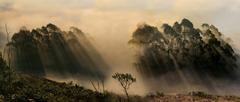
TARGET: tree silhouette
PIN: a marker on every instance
(125, 80)
(7, 78)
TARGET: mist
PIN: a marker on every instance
(109, 24)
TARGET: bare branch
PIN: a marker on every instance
(93, 85)
(7, 33)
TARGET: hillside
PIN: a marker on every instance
(17, 87)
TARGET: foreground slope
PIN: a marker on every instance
(17, 87)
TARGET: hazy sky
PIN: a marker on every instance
(110, 22)
(223, 13)
(113, 21)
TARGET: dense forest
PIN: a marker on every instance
(182, 54)
(181, 46)
(50, 50)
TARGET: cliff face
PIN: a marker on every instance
(51, 50)
(185, 51)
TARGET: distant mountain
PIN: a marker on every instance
(185, 51)
(49, 50)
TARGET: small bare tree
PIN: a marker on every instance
(9, 58)
(7, 33)
(125, 80)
